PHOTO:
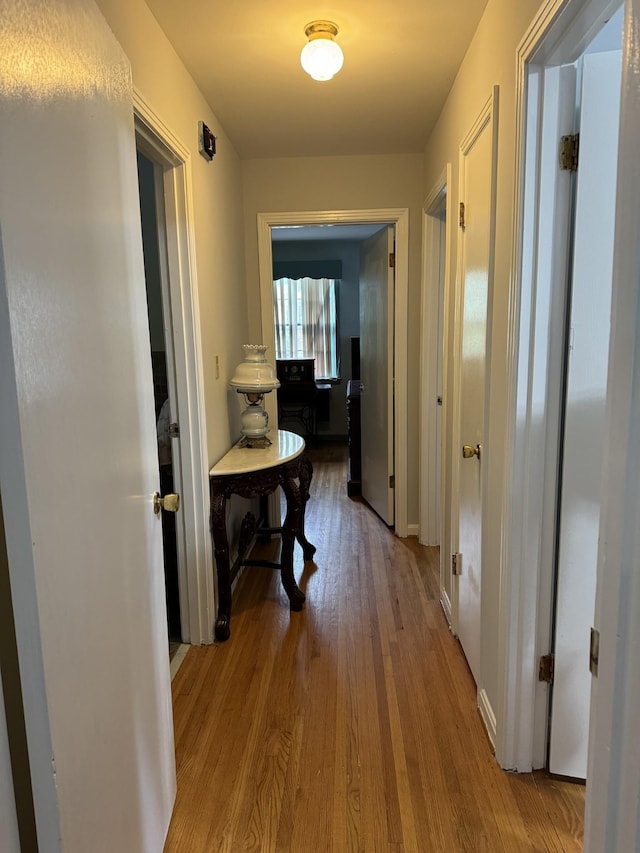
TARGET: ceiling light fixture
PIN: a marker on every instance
(321, 57)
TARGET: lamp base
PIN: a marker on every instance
(255, 441)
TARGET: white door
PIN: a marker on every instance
(376, 371)
(584, 419)
(78, 455)
(476, 186)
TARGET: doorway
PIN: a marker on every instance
(179, 333)
(552, 71)
(586, 351)
(434, 408)
(152, 216)
(399, 218)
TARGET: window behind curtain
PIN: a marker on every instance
(306, 322)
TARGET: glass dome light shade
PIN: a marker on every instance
(254, 374)
(321, 58)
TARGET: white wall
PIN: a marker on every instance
(165, 84)
(343, 183)
(490, 60)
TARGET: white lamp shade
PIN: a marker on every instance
(254, 374)
(321, 58)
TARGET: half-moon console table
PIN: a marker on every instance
(252, 473)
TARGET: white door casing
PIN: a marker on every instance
(477, 193)
(376, 372)
(399, 218)
(584, 418)
(78, 452)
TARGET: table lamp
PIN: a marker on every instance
(253, 378)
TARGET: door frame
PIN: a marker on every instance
(399, 217)
(197, 594)
(558, 34)
(435, 291)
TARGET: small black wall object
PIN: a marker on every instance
(207, 141)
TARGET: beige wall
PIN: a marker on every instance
(164, 83)
(490, 60)
(343, 183)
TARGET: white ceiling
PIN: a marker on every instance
(401, 58)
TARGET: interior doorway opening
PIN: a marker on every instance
(435, 409)
(161, 344)
(398, 218)
(552, 63)
(177, 334)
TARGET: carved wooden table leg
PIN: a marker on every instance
(305, 473)
(221, 546)
(288, 535)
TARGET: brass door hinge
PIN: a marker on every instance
(594, 651)
(569, 146)
(545, 668)
(392, 260)
(456, 564)
(174, 431)
(462, 220)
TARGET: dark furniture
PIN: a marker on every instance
(255, 473)
(354, 464)
(298, 394)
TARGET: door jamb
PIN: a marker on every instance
(394, 216)
(196, 578)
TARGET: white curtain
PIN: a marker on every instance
(306, 322)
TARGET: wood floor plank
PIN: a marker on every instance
(352, 725)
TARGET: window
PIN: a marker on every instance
(306, 322)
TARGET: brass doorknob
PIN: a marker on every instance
(468, 452)
(170, 503)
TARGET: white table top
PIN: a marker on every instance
(243, 460)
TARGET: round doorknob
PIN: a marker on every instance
(468, 452)
(170, 503)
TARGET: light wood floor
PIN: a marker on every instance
(351, 726)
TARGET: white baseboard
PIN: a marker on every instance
(445, 601)
(488, 717)
(413, 529)
(177, 659)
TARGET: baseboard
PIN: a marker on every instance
(177, 659)
(445, 601)
(413, 529)
(488, 717)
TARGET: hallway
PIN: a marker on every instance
(351, 726)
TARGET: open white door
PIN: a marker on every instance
(584, 420)
(477, 159)
(376, 371)
(78, 456)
